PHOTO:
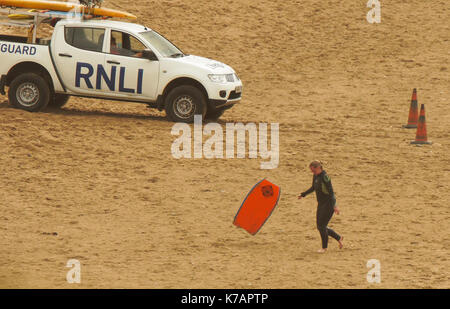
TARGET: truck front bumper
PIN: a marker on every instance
(223, 95)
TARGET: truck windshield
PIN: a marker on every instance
(164, 46)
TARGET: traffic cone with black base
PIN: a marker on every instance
(413, 112)
(421, 135)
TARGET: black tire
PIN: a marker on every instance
(29, 92)
(183, 102)
(214, 114)
(58, 100)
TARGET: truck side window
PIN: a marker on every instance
(125, 45)
(85, 38)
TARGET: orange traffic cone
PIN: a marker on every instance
(421, 135)
(413, 112)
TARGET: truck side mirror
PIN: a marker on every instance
(150, 55)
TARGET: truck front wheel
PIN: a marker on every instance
(29, 92)
(58, 100)
(214, 114)
(183, 102)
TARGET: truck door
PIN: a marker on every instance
(136, 77)
(78, 58)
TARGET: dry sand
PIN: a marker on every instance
(101, 175)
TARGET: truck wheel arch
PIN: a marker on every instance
(178, 82)
(29, 67)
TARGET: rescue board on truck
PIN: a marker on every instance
(66, 7)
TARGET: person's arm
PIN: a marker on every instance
(329, 187)
(310, 190)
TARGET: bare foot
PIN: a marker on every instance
(340, 242)
(322, 250)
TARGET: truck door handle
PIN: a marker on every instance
(112, 62)
(65, 55)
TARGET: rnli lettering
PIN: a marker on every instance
(85, 72)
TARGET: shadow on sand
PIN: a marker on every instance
(76, 112)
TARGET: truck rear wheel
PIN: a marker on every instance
(183, 102)
(58, 100)
(29, 92)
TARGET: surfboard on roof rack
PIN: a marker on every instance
(67, 7)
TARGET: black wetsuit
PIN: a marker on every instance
(325, 208)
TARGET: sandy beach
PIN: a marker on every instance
(96, 181)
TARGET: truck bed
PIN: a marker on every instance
(22, 39)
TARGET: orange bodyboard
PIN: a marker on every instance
(257, 206)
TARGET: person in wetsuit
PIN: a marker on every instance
(326, 203)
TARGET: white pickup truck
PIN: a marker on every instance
(116, 61)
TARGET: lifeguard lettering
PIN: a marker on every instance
(18, 49)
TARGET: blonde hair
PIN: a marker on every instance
(316, 163)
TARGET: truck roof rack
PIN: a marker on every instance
(36, 18)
